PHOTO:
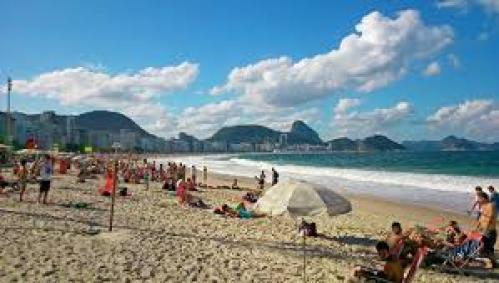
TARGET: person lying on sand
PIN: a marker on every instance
(392, 270)
(239, 211)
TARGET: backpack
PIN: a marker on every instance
(308, 229)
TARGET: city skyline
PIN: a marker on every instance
(405, 70)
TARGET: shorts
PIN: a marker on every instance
(44, 186)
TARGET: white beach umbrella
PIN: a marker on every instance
(300, 198)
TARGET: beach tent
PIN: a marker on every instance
(300, 198)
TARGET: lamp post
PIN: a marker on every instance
(7, 114)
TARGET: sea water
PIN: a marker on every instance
(444, 180)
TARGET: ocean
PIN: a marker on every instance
(443, 180)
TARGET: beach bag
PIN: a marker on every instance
(308, 229)
(123, 191)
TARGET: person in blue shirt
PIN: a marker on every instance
(494, 196)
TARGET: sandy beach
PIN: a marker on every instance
(154, 240)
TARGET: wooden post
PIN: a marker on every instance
(304, 260)
(113, 194)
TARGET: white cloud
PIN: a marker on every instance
(360, 124)
(455, 4)
(345, 104)
(134, 94)
(474, 118)
(489, 6)
(82, 85)
(432, 69)
(380, 51)
(454, 61)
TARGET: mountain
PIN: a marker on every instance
(450, 143)
(108, 121)
(246, 134)
(373, 143)
(343, 144)
(188, 138)
(300, 133)
(379, 143)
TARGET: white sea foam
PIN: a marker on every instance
(440, 190)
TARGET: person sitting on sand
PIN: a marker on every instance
(399, 244)
(190, 185)
(454, 234)
(392, 270)
(3, 184)
(81, 174)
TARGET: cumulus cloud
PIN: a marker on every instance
(473, 118)
(432, 69)
(359, 124)
(83, 85)
(380, 51)
(134, 94)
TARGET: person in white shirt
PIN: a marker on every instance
(46, 172)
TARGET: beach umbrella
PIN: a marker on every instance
(301, 199)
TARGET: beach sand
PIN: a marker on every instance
(154, 240)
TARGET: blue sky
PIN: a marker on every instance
(430, 70)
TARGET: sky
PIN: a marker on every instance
(405, 69)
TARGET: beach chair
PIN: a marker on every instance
(416, 263)
(396, 251)
(456, 259)
(411, 272)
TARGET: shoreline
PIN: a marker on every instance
(366, 201)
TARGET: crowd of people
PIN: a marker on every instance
(400, 250)
(440, 245)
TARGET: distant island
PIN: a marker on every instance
(101, 130)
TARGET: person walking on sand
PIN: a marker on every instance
(22, 178)
(205, 176)
(275, 177)
(476, 204)
(493, 196)
(261, 181)
(147, 177)
(45, 177)
(193, 174)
